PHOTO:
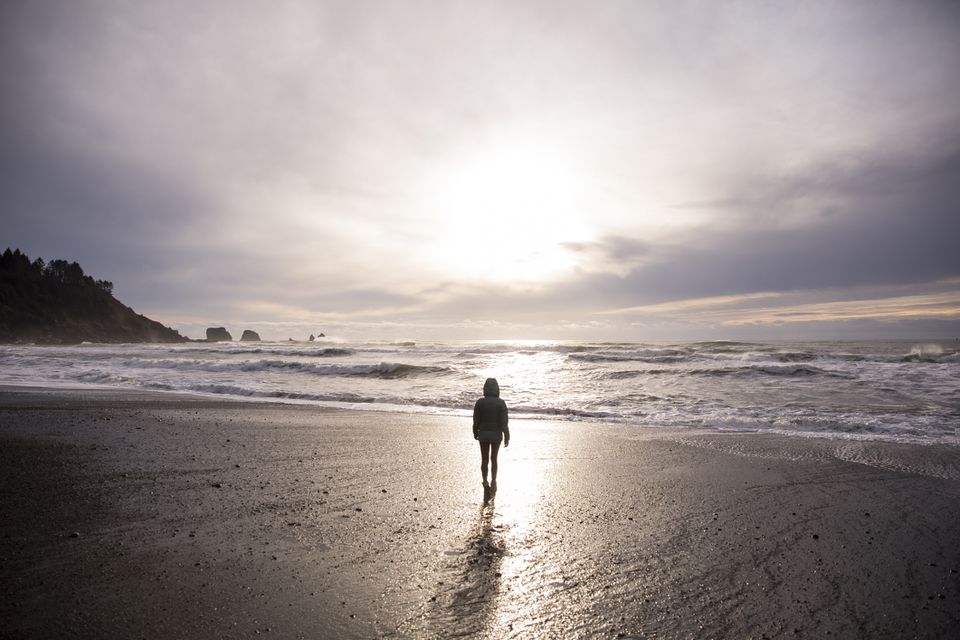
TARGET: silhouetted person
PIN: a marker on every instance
(490, 427)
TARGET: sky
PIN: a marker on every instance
(593, 170)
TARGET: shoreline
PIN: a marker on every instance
(201, 517)
(81, 393)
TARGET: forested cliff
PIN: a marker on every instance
(56, 303)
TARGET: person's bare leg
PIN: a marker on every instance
(494, 450)
(484, 459)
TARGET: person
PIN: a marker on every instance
(490, 428)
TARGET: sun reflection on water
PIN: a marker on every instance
(524, 374)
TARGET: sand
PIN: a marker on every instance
(128, 515)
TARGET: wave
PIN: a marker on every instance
(784, 356)
(641, 355)
(386, 403)
(724, 346)
(565, 412)
(798, 370)
(677, 355)
(793, 370)
(326, 352)
(98, 377)
(526, 349)
(393, 370)
(380, 369)
(933, 353)
(233, 390)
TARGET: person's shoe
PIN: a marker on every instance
(493, 487)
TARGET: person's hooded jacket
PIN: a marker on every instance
(490, 413)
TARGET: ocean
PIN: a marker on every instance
(889, 390)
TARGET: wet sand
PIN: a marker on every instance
(129, 515)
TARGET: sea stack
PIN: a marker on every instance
(250, 336)
(218, 334)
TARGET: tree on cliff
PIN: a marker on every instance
(56, 302)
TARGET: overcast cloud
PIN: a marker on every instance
(634, 170)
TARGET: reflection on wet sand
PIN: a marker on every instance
(475, 600)
(501, 567)
(493, 576)
(469, 593)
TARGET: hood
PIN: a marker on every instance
(491, 388)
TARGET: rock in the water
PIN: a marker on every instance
(250, 336)
(218, 334)
(322, 336)
(312, 337)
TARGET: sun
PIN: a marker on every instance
(503, 213)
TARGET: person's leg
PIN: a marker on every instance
(494, 450)
(484, 458)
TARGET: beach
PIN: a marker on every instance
(137, 514)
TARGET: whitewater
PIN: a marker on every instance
(890, 390)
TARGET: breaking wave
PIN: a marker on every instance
(380, 369)
(325, 352)
(644, 355)
(798, 371)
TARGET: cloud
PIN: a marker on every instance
(773, 308)
(229, 159)
(890, 226)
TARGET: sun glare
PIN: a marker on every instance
(504, 212)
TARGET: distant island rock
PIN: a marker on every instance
(57, 303)
(218, 334)
(249, 336)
